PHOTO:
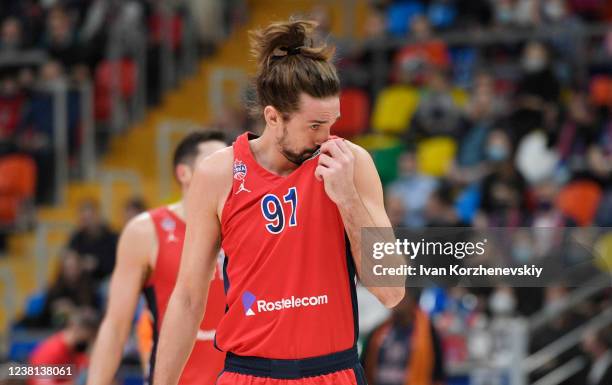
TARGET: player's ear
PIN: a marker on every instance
(183, 173)
(272, 116)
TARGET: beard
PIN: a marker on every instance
(295, 157)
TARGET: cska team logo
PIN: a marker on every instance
(240, 170)
(168, 225)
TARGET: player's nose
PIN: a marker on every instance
(322, 136)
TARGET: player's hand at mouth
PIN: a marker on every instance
(336, 170)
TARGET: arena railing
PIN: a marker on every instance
(380, 68)
(566, 342)
(118, 47)
(576, 297)
(87, 150)
(563, 372)
(9, 304)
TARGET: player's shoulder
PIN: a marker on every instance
(216, 170)
(361, 155)
(138, 239)
(141, 227)
(217, 165)
(358, 151)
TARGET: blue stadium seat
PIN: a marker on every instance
(441, 14)
(468, 203)
(23, 342)
(35, 304)
(399, 16)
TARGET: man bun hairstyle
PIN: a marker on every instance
(290, 62)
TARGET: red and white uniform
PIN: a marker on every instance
(288, 269)
(205, 362)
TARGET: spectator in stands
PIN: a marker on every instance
(411, 190)
(598, 346)
(440, 210)
(599, 154)
(60, 39)
(71, 289)
(503, 190)
(12, 103)
(94, 241)
(557, 13)
(481, 113)
(405, 349)
(67, 347)
(579, 130)
(11, 39)
(538, 92)
(546, 213)
(359, 65)
(424, 52)
(437, 113)
(36, 133)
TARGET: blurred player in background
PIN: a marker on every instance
(287, 208)
(148, 258)
(67, 347)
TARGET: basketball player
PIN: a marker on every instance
(148, 260)
(287, 208)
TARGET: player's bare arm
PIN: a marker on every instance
(352, 182)
(136, 245)
(210, 185)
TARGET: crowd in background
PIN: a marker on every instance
(500, 133)
(45, 44)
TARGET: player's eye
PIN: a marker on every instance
(315, 126)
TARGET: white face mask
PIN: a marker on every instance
(502, 303)
(533, 63)
(554, 10)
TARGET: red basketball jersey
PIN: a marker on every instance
(288, 272)
(205, 362)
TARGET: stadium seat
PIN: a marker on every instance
(400, 14)
(385, 151)
(394, 108)
(579, 201)
(354, 113)
(386, 161)
(435, 155)
(468, 203)
(17, 185)
(441, 14)
(601, 90)
(603, 252)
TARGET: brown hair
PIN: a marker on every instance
(289, 63)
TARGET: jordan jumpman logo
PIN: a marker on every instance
(242, 188)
